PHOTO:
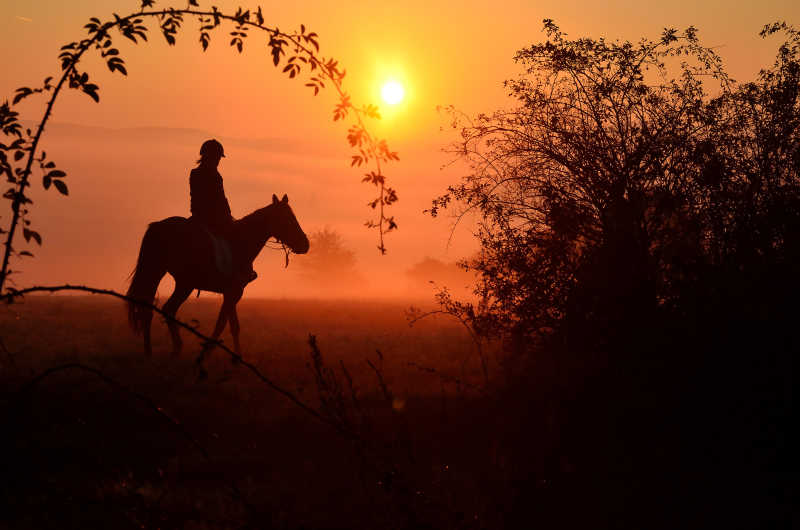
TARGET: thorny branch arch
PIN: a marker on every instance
(303, 54)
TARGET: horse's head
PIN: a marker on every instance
(287, 230)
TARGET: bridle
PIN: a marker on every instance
(279, 245)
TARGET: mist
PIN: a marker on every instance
(122, 179)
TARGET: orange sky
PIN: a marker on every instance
(445, 53)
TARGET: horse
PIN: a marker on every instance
(184, 249)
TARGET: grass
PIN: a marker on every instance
(547, 447)
(96, 456)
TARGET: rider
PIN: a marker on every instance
(208, 202)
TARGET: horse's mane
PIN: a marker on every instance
(254, 219)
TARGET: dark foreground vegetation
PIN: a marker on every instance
(149, 442)
(419, 440)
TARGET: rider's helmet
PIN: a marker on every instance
(211, 148)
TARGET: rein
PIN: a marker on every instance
(286, 250)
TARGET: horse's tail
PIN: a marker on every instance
(146, 277)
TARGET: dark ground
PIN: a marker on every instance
(84, 452)
(81, 451)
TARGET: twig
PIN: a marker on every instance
(415, 316)
(447, 378)
(10, 296)
(386, 392)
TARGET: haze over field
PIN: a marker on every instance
(122, 179)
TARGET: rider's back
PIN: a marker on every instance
(208, 202)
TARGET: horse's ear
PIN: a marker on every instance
(285, 199)
(274, 199)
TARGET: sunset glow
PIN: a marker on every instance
(392, 92)
(278, 137)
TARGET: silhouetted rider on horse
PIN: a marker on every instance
(210, 207)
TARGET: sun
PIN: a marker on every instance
(392, 92)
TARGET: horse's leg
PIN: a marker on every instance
(235, 330)
(222, 319)
(179, 295)
(228, 312)
(232, 298)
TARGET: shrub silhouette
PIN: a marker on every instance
(639, 213)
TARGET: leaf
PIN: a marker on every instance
(25, 253)
(31, 234)
(129, 34)
(61, 186)
(46, 181)
(18, 155)
(115, 63)
(312, 38)
(91, 90)
(21, 94)
(56, 174)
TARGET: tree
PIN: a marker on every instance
(623, 169)
(329, 263)
(450, 275)
(639, 224)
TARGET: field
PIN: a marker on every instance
(147, 442)
(411, 439)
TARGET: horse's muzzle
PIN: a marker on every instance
(301, 247)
